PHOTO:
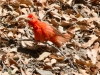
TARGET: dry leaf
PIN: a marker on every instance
(15, 69)
(47, 60)
(41, 14)
(60, 28)
(57, 58)
(63, 1)
(27, 2)
(42, 2)
(75, 73)
(77, 57)
(85, 63)
(55, 14)
(23, 44)
(48, 64)
(44, 72)
(54, 22)
(29, 71)
(65, 23)
(54, 6)
(92, 54)
(21, 17)
(53, 61)
(10, 34)
(22, 71)
(10, 54)
(13, 49)
(8, 61)
(98, 65)
(69, 2)
(24, 10)
(93, 19)
(83, 72)
(5, 73)
(21, 30)
(90, 42)
(43, 55)
(26, 43)
(73, 29)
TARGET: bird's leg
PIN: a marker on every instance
(66, 59)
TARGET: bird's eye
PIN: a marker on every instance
(32, 18)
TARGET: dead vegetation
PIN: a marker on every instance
(19, 55)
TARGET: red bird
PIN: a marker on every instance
(45, 32)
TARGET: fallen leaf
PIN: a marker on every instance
(27, 2)
(53, 61)
(10, 34)
(5, 73)
(44, 72)
(43, 55)
(90, 42)
(83, 72)
(26, 43)
(98, 65)
(92, 54)
(29, 71)
(22, 71)
(75, 73)
(54, 22)
(41, 14)
(21, 30)
(69, 2)
(15, 69)
(57, 58)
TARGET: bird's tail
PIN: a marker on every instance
(59, 40)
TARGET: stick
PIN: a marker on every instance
(62, 55)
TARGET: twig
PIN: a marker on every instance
(56, 49)
(47, 13)
(62, 55)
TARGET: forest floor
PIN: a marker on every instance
(80, 19)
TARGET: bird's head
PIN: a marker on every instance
(31, 19)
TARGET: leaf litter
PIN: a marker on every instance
(79, 20)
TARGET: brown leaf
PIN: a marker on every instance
(5, 73)
(10, 34)
(65, 23)
(8, 61)
(83, 72)
(54, 22)
(92, 54)
(15, 69)
(85, 63)
(26, 43)
(75, 73)
(90, 42)
(57, 58)
(43, 2)
(22, 71)
(43, 55)
(98, 65)
(44, 72)
(27, 2)
(53, 61)
(73, 29)
(13, 62)
(29, 71)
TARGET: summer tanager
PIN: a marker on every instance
(45, 32)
